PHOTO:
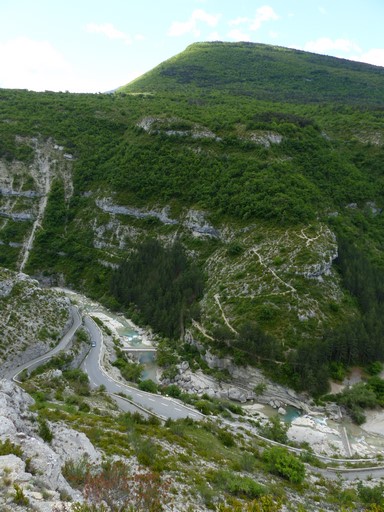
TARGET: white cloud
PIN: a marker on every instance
(264, 13)
(108, 30)
(209, 19)
(39, 66)
(36, 65)
(238, 35)
(213, 36)
(238, 21)
(373, 56)
(179, 28)
(345, 48)
(325, 45)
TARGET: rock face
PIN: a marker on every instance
(322, 439)
(265, 138)
(31, 318)
(244, 381)
(195, 221)
(162, 215)
(155, 125)
(38, 470)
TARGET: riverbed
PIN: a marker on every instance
(322, 434)
(129, 334)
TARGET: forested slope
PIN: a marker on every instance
(265, 164)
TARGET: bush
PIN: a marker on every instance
(275, 430)
(79, 381)
(45, 432)
(8, 448)
(374, 368)
(357, 398)
(19, 496)
(371, 495)
(84, 407)
(226, 438)
(76, 472)
(243, 487)
(172, 390)
(148, 385)
(129, 370)
(280, 462)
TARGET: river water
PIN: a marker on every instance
(133, 336)
(129, 334)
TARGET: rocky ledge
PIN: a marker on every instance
(36, 467)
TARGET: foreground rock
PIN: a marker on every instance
(37, 471)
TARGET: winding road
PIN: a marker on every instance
(34, 363)
(161, 406)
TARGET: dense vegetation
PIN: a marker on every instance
(163, 284)
(275, 138)
(264, 72)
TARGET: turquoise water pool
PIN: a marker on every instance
(291, 414)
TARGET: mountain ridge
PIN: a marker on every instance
(257, 191)
(250, 66)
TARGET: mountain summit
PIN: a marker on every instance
(264, 72)
(262, 164)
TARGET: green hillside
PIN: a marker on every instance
(264, 72)
(265, 163)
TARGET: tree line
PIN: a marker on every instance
(162, 284)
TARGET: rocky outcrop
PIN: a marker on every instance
(38, 470)
(196, 222)
(112, 233)
(265, 138)
(106, 205)
(243, 382)
(19, 216)
(175, 127)
(31, 318)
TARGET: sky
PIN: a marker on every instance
(97, 46)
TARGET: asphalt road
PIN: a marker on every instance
(34, 363)
(158, 404)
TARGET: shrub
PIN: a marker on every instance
(237, 485)
(371, 495)
(235, 249)
(79, 381)
(280, 462)
(276, 430)
(76, 472)
(263, 504)
(8, 448)
(146, 453)
(148, 385)
(172, 390)
(226, 438)
(84, 407)
(114, 486)
(45, 432)
(19, 496)
(374, 368)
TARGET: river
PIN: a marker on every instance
(361, 441)
(130, 335)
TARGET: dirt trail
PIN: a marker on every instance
(217, 299)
